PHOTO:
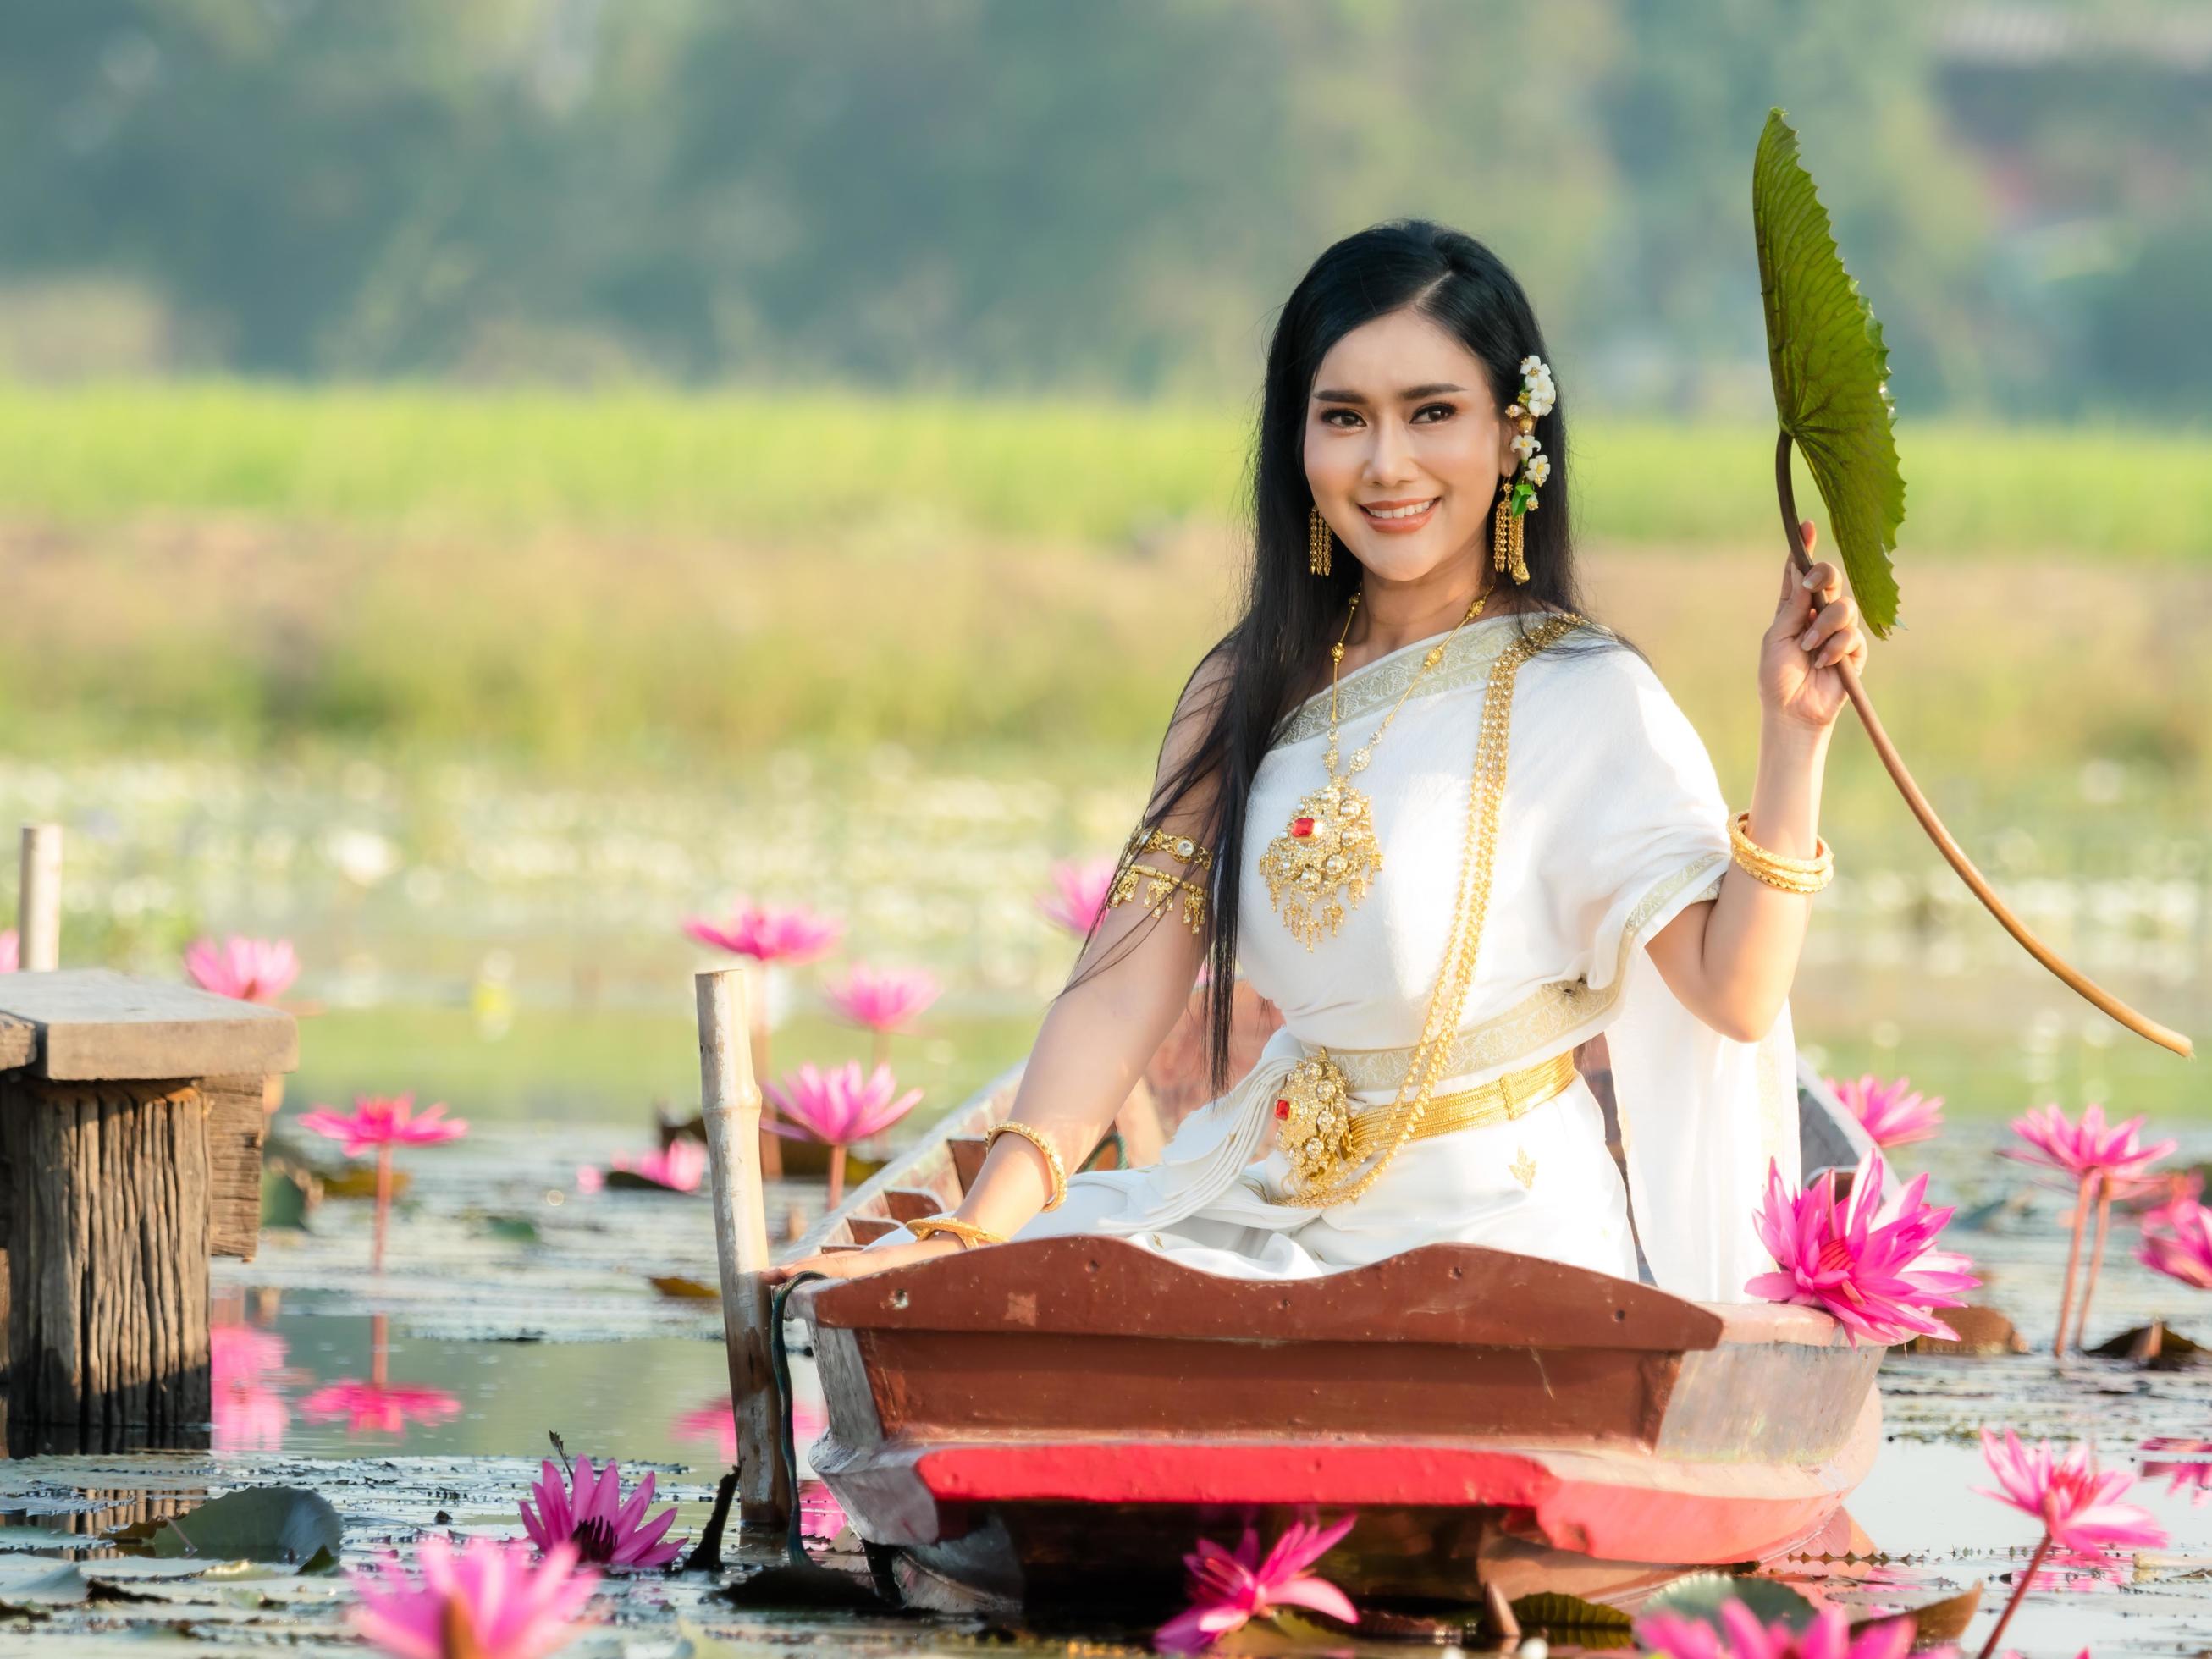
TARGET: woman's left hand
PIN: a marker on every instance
(1815, 628)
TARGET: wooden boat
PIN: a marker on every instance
(1053, 1421)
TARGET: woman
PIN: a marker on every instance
(1527, 847)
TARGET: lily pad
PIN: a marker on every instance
(1561, 1615)
(1702, 1595)
(265, 1523)
(1830, 370)
(41, 1579)
(675, 1285)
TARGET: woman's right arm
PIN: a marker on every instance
(1097, 1037)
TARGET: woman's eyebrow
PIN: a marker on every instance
(1331, 395)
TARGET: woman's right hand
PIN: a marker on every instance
(858, 1264)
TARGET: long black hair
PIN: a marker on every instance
(1258, 667)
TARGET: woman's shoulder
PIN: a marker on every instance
(1603, 684)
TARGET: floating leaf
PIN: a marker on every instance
(358, 1181)
(1564, 1615)
(685, 1289)
(1944, 1620)
(40, 1579)
(516, 1229)
(264, 1523)
(1830, 370)
(1702, 1595)
(286, 1197)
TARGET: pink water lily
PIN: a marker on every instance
(1739, 1635)
(378, 1120)
(1891, 1113)
(680, 1167)
(1079, 895)
(587, 1511)
(883, 999)
(2103, 1161)
(250, 969)
(10, 952)
(1228, 1589)
(512, 1607)
(2177, 1241)
(2078, 1504)
(768, 932)
(1872, 1266)
(373, 1407)
(837, 1108)
(380, 1123)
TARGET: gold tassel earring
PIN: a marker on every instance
(1505, 547)
(1319, 543)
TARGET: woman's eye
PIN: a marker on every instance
(1445, 411)
(1328, 417)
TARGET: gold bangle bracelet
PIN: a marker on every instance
(966, 1233)
(1823, 859)
(1049, 1152)
(1791, 875)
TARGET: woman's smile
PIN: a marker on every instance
(1401, 516)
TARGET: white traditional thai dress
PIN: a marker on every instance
(1612, 822)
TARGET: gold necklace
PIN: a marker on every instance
(1323, 860)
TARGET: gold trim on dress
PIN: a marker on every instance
(1467, 660)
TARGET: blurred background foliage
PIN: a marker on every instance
(478, 482)
(1105, 199)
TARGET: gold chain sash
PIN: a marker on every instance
(1398, 1123)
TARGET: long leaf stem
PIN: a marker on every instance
(2018, 1591)
(1953, 854)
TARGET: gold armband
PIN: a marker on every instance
(966, 1233)
(1158, 885)
(1050, 1153)
(1180, 848)
(1790, 875)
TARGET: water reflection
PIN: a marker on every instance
(380, 1405)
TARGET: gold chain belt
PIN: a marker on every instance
(1323, 1140)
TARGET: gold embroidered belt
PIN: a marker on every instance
(1322, 1138)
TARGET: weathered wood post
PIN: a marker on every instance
(755, 973)
(131, 1127)
(730, 1107)
(39, 899)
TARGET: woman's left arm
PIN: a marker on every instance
(1731, 960)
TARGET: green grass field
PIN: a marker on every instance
(829, 467)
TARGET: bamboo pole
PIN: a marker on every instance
(1953, 854)
(39, 899)
(730, 1107)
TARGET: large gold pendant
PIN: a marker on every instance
(1315, 1113)
(1322, 862)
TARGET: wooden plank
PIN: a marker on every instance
(867, 1229)
(97, 1026)
(1095, 1285)
(237, 1121)
(19, 1042)
(910, 1203)
(967, 1159)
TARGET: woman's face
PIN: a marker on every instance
(1405, 446)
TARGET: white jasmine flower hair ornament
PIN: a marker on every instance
(1538, 394)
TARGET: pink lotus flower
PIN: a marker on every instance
(1872, 1266)
(381, 1123)
(378, 1121)
(1740, 1636)
(2189, 1469)
(1229, 1590)
(588, 1512)
(838, 1108)
(1079, 896)
(251, 970)
(2177, 1241)
(768, 933)
(2077, 1503)
(882, 998)
(2105, 1161)
(1889, 1112)
(380, 1407)
(2092, 1146)
(513, 1609)
(680, 1166)
(10, 952)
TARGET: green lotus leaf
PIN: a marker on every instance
(1830, 370)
